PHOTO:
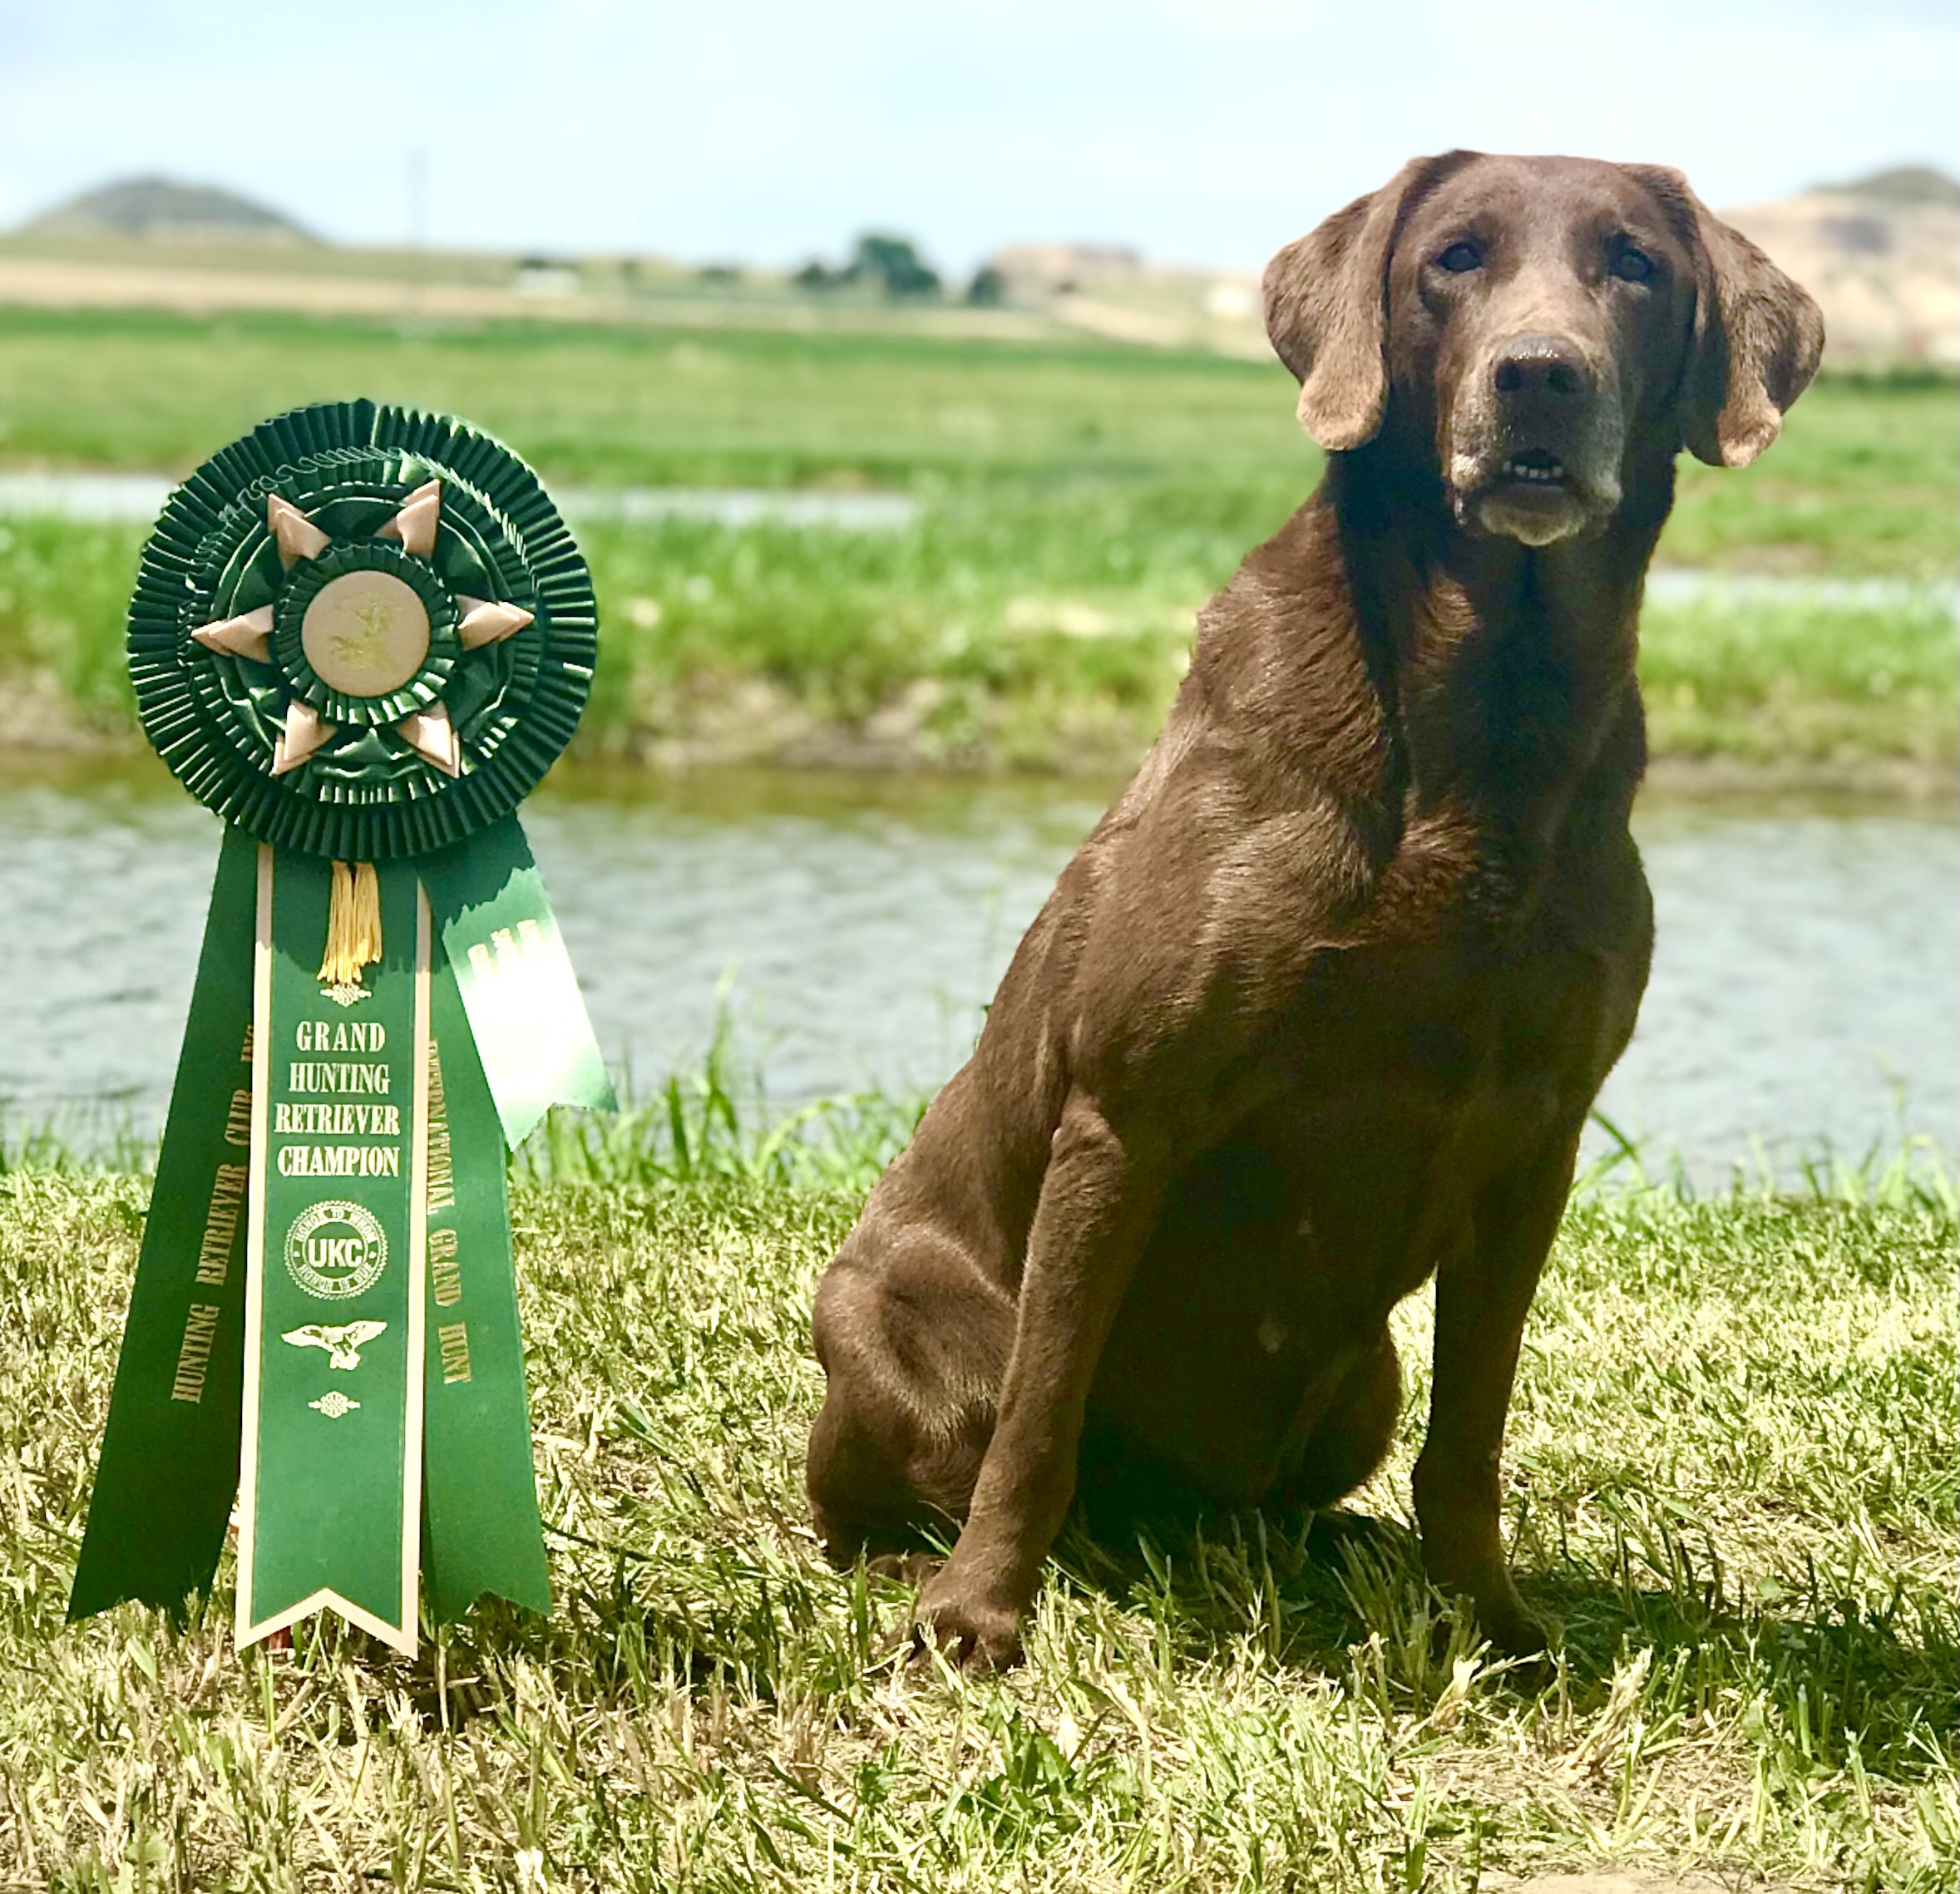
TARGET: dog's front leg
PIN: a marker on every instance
(1482, 1295)
(1099, 1197)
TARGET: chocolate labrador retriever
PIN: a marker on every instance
(1322, 1003)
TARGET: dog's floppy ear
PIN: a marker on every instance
(1327, 311)
(1756, 339)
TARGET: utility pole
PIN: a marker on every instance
(414, 312)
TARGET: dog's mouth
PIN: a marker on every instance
(1533, 467)
(1528, 494)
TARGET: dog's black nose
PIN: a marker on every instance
(1541, 366)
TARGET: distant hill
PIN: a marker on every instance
(162, 208)
(1903, 184)
(1882, 256)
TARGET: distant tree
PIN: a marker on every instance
(892, 265)
(813, 276)
(987, 290)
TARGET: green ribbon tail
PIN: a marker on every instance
(169, 1469)
(330, 1463)
(480, 1530)
(497, 930)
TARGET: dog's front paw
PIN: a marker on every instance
(976, 1632)
(1513, 1628)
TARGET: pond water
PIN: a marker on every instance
(1806, 989)
(138, 498)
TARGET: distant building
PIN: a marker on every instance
(161, 209)
(1233, 298)
(1040, 270)
(545, 276)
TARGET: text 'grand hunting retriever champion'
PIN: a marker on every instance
(1321, 1004)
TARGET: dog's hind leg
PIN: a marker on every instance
(1354, 1432)
(913, 1350)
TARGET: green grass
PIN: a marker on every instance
(1079, 502)
(620, 406)
(1804, 684)
(1729, 1478)
(1863, 479)
(1035, 634)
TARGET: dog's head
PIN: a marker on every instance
(1539, 321)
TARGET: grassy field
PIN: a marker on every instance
(1730, 1478)
(1078, 500)
(1731, 1472)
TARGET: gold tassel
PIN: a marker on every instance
(353, 923)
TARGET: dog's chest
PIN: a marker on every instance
(1485, 1027)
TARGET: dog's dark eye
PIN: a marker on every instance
(1631, 265)
(1459, 258)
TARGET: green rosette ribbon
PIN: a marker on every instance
(361, 635)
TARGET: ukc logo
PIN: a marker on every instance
(336, 1251)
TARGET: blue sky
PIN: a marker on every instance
(1207, 131)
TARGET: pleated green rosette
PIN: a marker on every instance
(361, 635)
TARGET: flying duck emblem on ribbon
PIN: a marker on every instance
(342, 1341)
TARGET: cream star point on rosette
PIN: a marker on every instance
(487, 621)
(431, 735)
(298, 537)
(247, 636)
(415, 525)
(305, 730)
(365, 633)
